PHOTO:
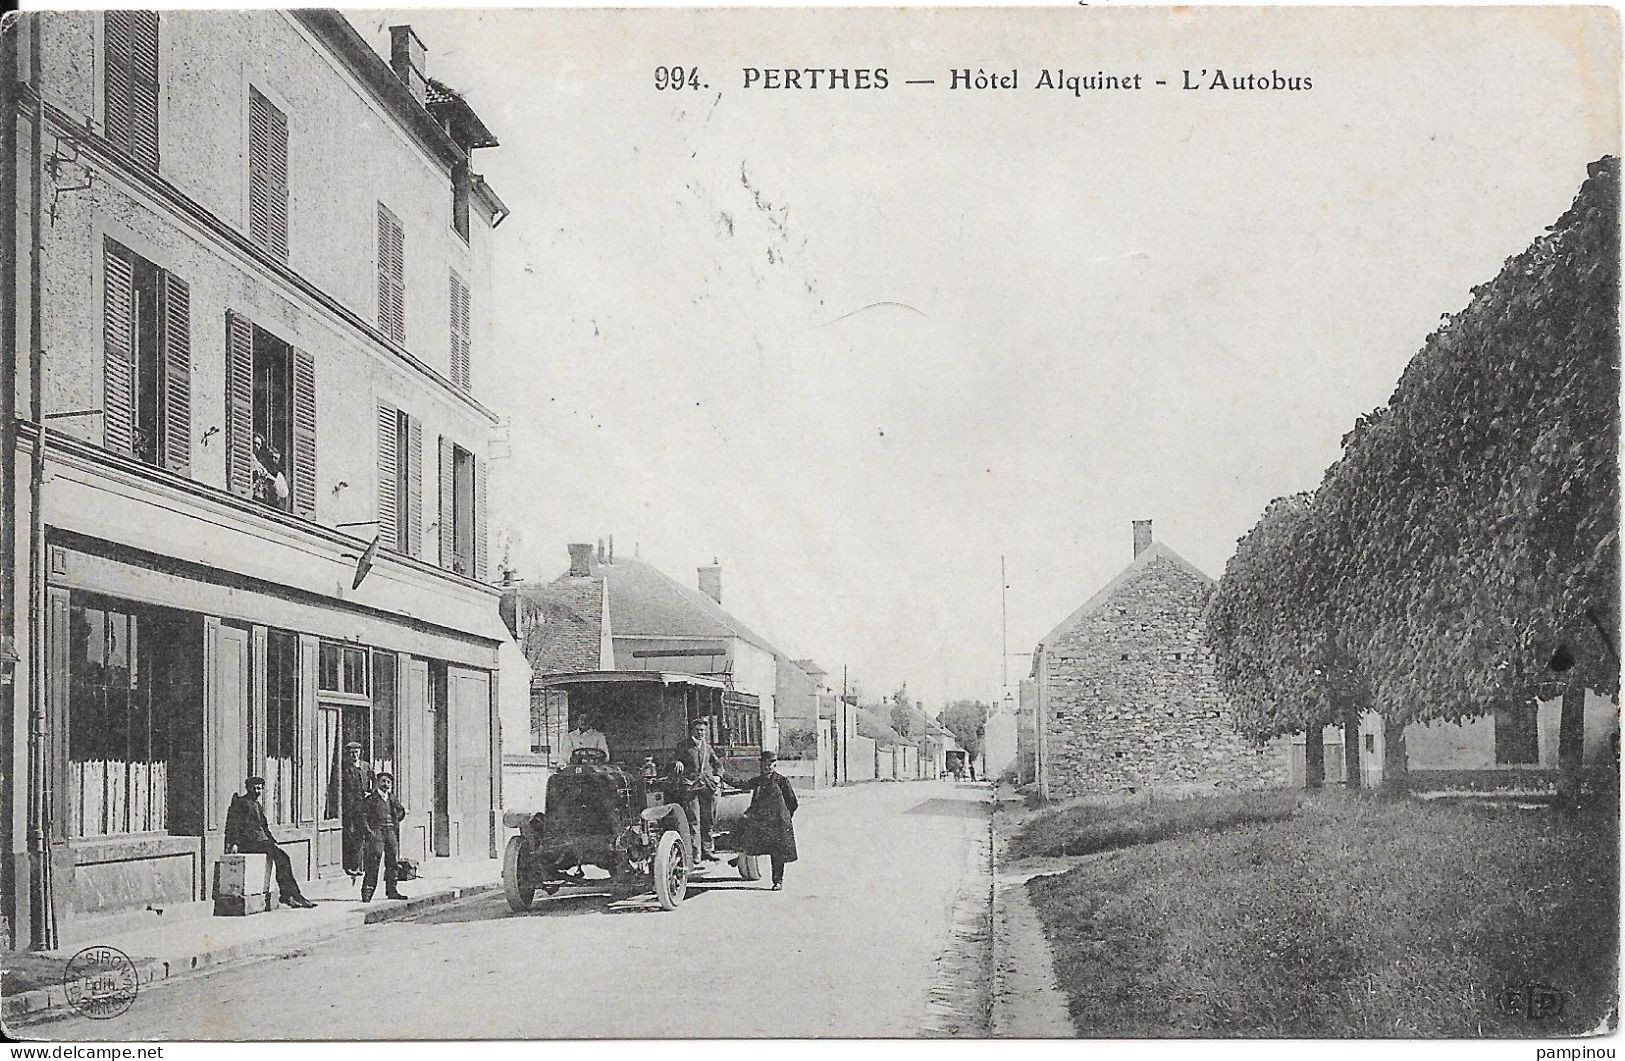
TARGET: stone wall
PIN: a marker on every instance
(1133, 704)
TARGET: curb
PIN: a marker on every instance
(46, 1002)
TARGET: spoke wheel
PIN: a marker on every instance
(671, 871)
(519, 894)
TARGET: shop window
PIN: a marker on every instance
(342, 669)
(134, 691)
(383, 712)
(281, 727)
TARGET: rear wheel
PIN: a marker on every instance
(670, 871)
(750, 866)
(519, 894)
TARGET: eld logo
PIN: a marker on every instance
(1532, 1001)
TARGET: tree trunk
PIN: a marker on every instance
(1396, 778)
(1314, 757)
(1571, 745)
(1351, 747)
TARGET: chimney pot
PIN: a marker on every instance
(711, 581)
(580, 559)
(410, 61)
(1142, 536)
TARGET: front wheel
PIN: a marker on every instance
(750, 866)
(670, 871)
(519, 894)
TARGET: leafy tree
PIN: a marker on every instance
(901, 718)
(965, 719)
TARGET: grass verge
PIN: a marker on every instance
(1350, 917)
(1083, 830)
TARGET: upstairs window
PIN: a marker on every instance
(267, 174)
(147, 371)
(391, 275)
(461, 341)
(400, 480)
(270, 418)
(130, 83)
(462, 511)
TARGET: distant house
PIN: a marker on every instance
(1127, 698)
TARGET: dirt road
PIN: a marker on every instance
(852, 947)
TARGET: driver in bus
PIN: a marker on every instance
(585, 735)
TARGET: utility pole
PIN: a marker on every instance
(1004, 628)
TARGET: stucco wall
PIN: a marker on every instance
(1132, 702)
(344, 157)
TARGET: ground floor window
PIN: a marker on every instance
(134, 716)
(281, 726)
(383, 712)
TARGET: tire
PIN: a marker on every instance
(519, 895)
(750, 866)
(671, 871)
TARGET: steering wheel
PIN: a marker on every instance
(589, 757)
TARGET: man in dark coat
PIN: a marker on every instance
(768, 828)
(381, 821)
(356, 780)
(248, 832)
(703, 769)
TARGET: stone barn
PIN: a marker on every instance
(1128, 702)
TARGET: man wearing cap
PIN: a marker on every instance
(248, 832)
(381, 816)
(356, 781)
(703, 769)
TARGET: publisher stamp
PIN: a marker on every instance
(101, 982)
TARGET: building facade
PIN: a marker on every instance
(255, 472)
(1128, 702)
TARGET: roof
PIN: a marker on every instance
(447, 104)
(812, 668)
(1152, 553)
(569, 636)
(644, 601)
(647, 677)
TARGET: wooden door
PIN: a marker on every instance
(329, 760)
(469, 703)
(416, 759)
(226, 727)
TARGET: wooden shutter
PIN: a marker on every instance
(391, 275)
(116, 77)
(239, 404)
(177, 354)
(461, 341)
(414, 487)
(448, 503)
(388, 466)
(481, 538)
(304, 432)
(118, 340)
(267, 174)
(144, 87)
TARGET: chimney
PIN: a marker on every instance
(410, 61)
(1142, 536)
(711, 580)
(612, 548)
(580, 559)
(600, 550)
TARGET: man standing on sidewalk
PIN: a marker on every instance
(381, 821)
(357, 782)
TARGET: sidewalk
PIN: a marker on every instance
(190, 944)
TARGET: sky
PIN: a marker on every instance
(859, 346)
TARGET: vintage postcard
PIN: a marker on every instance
(992, 523)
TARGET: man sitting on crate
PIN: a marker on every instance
(247, 832)
(702, 767)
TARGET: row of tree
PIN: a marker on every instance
(1463, 553)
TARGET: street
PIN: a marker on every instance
(849, 948)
